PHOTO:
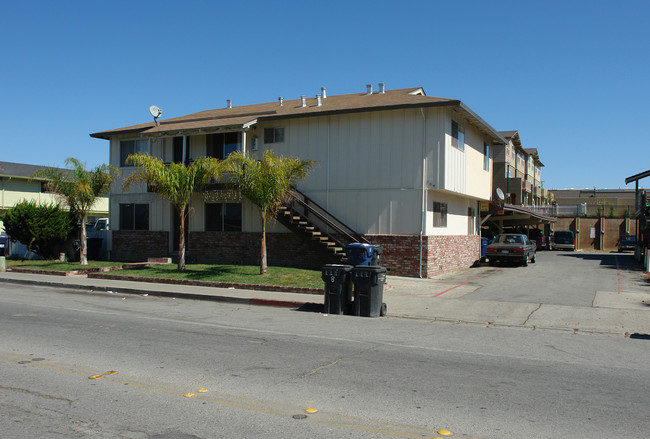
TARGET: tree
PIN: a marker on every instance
(266, 183)
(176, 183)
(79, 188)
(42, 228)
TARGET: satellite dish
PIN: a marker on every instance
(500, 194)
(155, 111)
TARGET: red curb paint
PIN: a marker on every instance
(452, 288)
(466, 282)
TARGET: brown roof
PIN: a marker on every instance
(238, 117)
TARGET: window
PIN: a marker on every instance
(178, 149)
(128, 147)
(457, 136)
(222, 144)
(439, 214)
(134, 217)
(486, 151)
(471, 221)
(273, 135)
(223, 217)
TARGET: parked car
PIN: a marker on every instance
(626, 242)
(540, 239)
(564, 240)
(511, 247)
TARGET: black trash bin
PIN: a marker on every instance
(369, 291)
(338, 288)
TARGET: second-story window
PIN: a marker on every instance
(457, 135)
(486, 151)
(179, 157)
(128, 147)
(274, 135)
(220, 145)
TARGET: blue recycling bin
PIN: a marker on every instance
(484, 244)
(363, 254)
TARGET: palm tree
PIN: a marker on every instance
(78, 189)
(265, 182)
(176, 183)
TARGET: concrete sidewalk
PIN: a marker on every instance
(616, 314)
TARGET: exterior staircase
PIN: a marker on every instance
(306, 218)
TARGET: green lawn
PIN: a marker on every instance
(243, 274)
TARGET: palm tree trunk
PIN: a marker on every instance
(181, 240)
(83, 250)
(263, 267)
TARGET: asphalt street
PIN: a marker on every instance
(263, 367)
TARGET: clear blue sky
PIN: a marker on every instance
(571, 76)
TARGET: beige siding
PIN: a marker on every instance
(464, 170)
(368, 168)
(457, 220)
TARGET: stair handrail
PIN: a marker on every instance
(330, 220)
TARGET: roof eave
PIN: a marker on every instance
(496, 137)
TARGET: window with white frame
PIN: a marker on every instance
(223, 217)
(457, 135)
(274, 135)
(134, 217)
(220, 145)
(439, 214)
(486, 151)
(128, 147)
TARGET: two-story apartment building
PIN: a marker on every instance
(405, 170)
(517, 172)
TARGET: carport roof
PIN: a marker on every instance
(516, 216)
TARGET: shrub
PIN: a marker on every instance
(42, 228)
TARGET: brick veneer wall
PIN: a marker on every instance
(134, 246)
(440, 254)
(283, 249)
(401, 253)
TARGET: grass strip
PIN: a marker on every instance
(242, 274)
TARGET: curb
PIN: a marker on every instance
(202, 283)
(98, 273)
(180, 295)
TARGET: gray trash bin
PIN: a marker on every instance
(338, 288)
(369, 291)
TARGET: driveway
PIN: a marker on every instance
(594, 292)
(560, 278)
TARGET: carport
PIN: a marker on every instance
(503, 215)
